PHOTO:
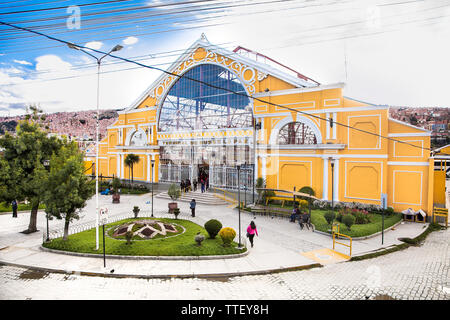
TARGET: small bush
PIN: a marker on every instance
(176, 212)
(227, 234)
(213, 227)
(199, 239)
(348, 220)
(303, 204)
(329, 216)
(129, 236)
(307, 190)
(174, 192)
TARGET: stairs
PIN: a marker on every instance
(208, 198)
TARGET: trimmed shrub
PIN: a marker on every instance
(348, 220)
(307, 190)
(199, 238)
(303, 204)
(213, 227)
(227, 234)
(329, 216)
(129, 236)
(174, 192)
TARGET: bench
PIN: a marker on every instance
(272, 211)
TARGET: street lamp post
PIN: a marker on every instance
(245, 185)
(239, 203)
(97, 167)
(153, 163)
(332, 183)
(47, 166)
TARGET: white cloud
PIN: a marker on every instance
(56, 86)
(130, 40)
(96, 45)
(23, 62)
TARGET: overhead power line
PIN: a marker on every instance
(217, 87)
(58, 8)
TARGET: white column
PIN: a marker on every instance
(148, 168)
(325, 179)
(334, 124)
(121, 166)
(118, 166)
(263, 167)
(327, 116)
(336, 180)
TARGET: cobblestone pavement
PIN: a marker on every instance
(415, 273)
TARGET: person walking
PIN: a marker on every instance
(14, 208)
(251, 231)
(195, 184)
(192, 205)
(202, 182)
(182, 185)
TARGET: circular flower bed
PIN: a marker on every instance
(145, 230)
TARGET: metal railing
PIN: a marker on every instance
(440, 212)
(338, 235)
(224, 195)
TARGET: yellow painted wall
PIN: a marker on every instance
(368, 165)
(439, 187)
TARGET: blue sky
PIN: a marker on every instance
(387, 52)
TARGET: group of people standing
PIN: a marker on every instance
(185, 185)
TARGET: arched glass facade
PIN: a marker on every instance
(201, 101)
(193, 105)
(296, 133)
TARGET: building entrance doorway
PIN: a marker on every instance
(203, 176)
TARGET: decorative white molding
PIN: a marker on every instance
(298, 90)
(408, 125)
(421, 188)
(345, 181)
(411, 134)
(403, 163)
(280, 124)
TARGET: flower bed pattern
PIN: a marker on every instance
(144, 229)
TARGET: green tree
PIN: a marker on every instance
(22, 170)
(130, 160)
(67, 187)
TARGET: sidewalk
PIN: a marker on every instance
(279, 247)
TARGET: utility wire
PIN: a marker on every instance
(58, 8)
(217, 87)
(304, 37)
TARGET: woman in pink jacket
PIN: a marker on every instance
(251, 231)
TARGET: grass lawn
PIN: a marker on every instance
(180, 245)
(6, 207)
(357, 230)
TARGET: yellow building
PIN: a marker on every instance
(199, 117)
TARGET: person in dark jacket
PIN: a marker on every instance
(14, 208)
(192, 205)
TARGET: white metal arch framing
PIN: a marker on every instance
(273, 140)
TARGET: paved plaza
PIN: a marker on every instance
(414, 273)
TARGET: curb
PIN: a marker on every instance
(211, 276)
(386, 250)
(173, 258)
